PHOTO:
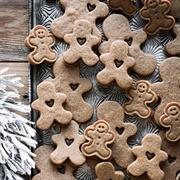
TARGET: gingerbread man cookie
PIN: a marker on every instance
(88, 10)
(149, 156)
(49, 104)
(113, 113)
(128, 7)
(47, 169)
(68, 145)
(99, 136)
(140, 96)
(117, 27)
(117, 63)
(173, 47)
(67, 81)
(171, 119)
(105, 171)
(41, 42)
(81, 42)
(168, 89)
(155, 12)
(171, 166)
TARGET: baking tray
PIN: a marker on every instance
(43, 12)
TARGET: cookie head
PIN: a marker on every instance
(82, 28)
(40, 33)
(101, 128)
(142, 87)
(173, 110)
(119, 46)
(152, 4)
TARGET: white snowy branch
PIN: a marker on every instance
(16, 132)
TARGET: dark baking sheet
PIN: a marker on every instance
(43, 12)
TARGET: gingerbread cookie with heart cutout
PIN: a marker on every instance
(68, 145)
(81, 42)
(169, 87)
(149, 156)
(117, 27)
(117, 63)
(113, 113)
(67, 81)
(50, 105)
(47, 169)
(88, 10)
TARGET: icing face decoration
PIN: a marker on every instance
(101, 128)
(142, 87)
(173, 110)
(40, 33)
(152, 4)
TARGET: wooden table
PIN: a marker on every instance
(13, 31)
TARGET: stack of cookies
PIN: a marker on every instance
(97, 137)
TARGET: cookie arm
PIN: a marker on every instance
(64, 3)
(94, 40)
(84, 85)
(101, 10)
(51, 40)
(68, 38)
(144, 12)
(165, 6)
(27, 42)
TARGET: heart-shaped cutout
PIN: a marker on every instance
(150, 155)
(129, 41)
(118, 63)
(69, 141)
(171, 159)
(120, 130)
(62, 170)
(50, 103)
(81, 41)
(74, 86)
(91, 7)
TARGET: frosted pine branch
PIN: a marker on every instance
(16, 133)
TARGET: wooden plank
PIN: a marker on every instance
(21, 70)
(13, 30)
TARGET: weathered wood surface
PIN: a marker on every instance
(13, 30)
